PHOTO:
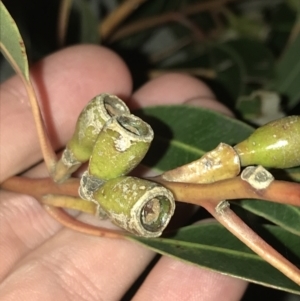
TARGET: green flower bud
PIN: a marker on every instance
(139, 206)
(218, 164)
(276, 144)
(91, 121)
(120, 147)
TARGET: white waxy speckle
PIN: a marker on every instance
(122, 144)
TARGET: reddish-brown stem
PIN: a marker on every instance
(222, 213)
(150, 22)
(279, 191)
(74, 224)
(63, 18)
(64, 201)
(207, 73)
(230, 189)
(117, 16)
(45, 144)
(46, 147)
(39, 188)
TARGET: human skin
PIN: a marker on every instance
(40, 259)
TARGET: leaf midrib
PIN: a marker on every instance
(206, 248)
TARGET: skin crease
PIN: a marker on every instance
(39, 259)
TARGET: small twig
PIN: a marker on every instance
(63, 18)
(206, 73)
(117, 16)
(38, 188)
(150, 22)
(70, 202)
(292, 37)
(76, 225)
(169, 50)
(184, 21)
(46, 147)
(222, 213)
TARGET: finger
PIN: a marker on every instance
(174, 280)
(64, 82)
(171, 279)
(189, 90)
(80, 265)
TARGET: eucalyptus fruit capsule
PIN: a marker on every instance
(276, 144)
(89, 124)
(139, 206)
(91, 121)
(120, 147)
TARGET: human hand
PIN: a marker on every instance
(40, 259)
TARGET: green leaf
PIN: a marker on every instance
(211, 246)
(226, 63)
(288, 74)
(244, 26)
(285, 216)
(293, 173)
(11, 43)
(282, 19)
(88, 30)
(294, 4)
(258, 59)
(185, 133)
(230, 68)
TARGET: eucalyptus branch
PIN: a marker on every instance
(209, 196)
(46, 147)
(283, 192)
(63, 18)
(293, 35)
(117, 16)
(69, 202)
(147, 23)
(168, 50)
(222, 213)
(254, 181)
(51, 194)
(203, 72)
(230, 189)
(76, 225)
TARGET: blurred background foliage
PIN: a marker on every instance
(247, 51)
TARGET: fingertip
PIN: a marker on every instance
(209, 103)
(177, 88)
(176, 280)
(171, 88)
(82, 71)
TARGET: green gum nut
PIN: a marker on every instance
(120, 147)
(139, 206)
(91, 121)
(274, 145)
